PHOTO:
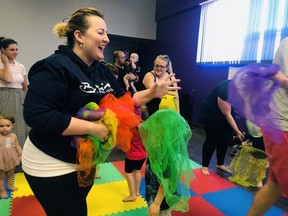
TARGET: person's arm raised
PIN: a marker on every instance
(157, 90)
(5, 73)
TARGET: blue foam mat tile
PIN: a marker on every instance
(9, 194)
(192, 193)
(186, 190)
(236, 202)
(143, 185)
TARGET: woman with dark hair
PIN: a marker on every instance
(219, 124)
(13, 86)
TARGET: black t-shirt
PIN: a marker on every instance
(122, 73)
(133, 71)
(210, 109)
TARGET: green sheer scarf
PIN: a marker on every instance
(165, 136)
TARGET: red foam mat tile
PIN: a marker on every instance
(199, 207)
(206, 184)
(26, 206)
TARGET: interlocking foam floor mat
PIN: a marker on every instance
(210, 195)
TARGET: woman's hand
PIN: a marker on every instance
(83, 127)
(156, 90)
(240, 135)
(165, 85)
(100, 130)
(4, 58)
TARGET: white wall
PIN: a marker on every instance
(30, 22)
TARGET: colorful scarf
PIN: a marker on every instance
(251, 95)
(165, 136)
(119, 117)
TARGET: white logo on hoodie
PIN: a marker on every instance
(102, 89)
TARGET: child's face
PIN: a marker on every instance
(134, 57)
(5, 127)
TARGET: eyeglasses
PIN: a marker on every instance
(159, 66)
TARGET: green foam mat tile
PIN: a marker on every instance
(140, 212)
(195, 165)
(109, 173)
(5, 207)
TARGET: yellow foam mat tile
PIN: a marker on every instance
(23, 186)
(106, 199)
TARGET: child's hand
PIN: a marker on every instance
(133, 65)
(154, 209)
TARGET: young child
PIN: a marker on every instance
(134, 69)
(10, 153)
(165, 135)
(134, 161)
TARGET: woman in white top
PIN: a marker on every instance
(13, 86)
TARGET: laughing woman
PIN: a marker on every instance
(59, 86)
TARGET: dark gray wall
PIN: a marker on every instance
(177, 36)
(177, 32)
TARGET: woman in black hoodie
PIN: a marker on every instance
(59, 86)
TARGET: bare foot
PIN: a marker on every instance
(138, 194)
(12, 188)
(97, 176)
(3, 195)
(223, 168)
(205, 171)
(129, 199)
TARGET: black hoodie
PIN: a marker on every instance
(58, 87)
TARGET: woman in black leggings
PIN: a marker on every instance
(219, 125)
